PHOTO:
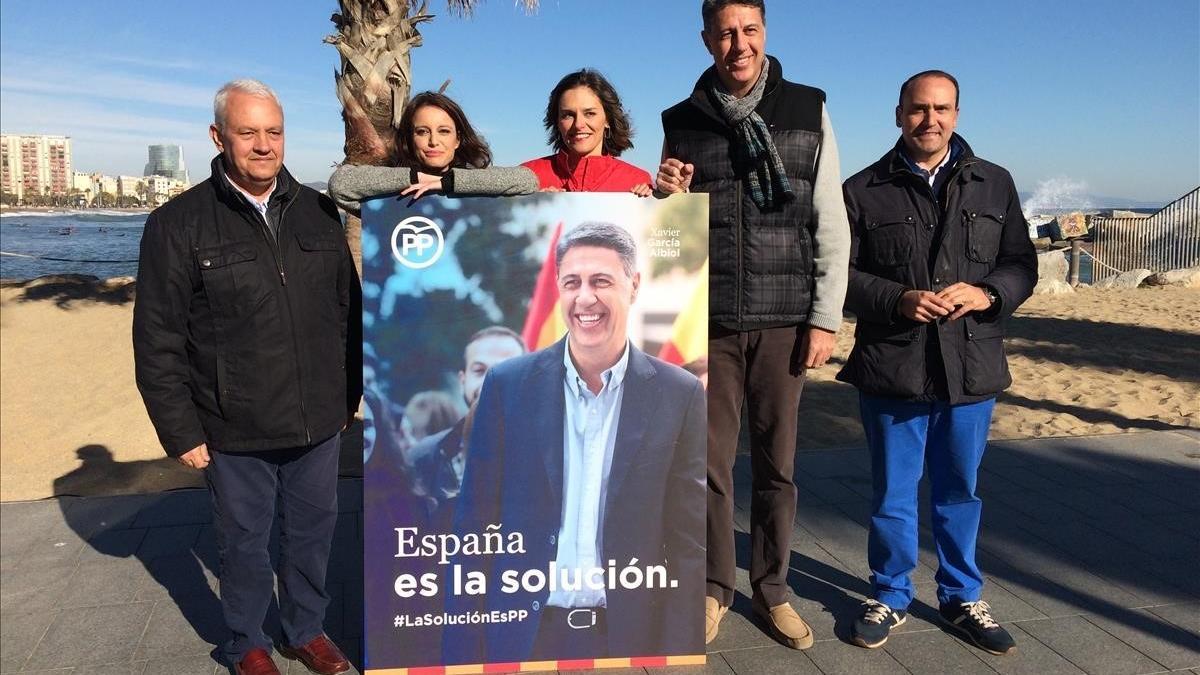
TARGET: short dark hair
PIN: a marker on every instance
(620, 130)
(710, 8)
(472, 152)
(604, 235)
(928, 73)
(494, 331)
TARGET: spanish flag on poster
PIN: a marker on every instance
(543, 323)
(689, 335)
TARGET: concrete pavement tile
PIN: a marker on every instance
(831, 490)
(1007, 606)
(1139, 498)
(54, 547)
(1154, 539)
(715, 665)
(833, 464)
(92, 635)
(1093, 503)
(1166, 643)
(1036, 506)
(26, 522)
(56, 671)
(104, 582)
(1180, 492)
(168, 540)
(1029, 658)
(97, 514)
(1033, 480)
(772, 660)
(1179, 523)
(27, 589)
(185, 665)
(181, 507)
(193, 630)
(1088, 647)
(833, 657)
(113, 544)
(135, 668)
(989, 482)
(1186, 615)
(179, 576)
(933, 651)
(21, 634)
(1159, 581)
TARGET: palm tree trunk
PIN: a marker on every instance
(373, 38)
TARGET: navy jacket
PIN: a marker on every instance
(654, 512)
(904, 238)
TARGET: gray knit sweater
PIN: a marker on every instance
(831, 245)
(352, 183)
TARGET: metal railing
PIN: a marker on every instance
(1167, 240)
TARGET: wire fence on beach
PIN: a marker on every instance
(1167, 240)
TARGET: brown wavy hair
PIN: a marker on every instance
(472, 152)
(620, 131)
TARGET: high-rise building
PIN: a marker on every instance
(35, 165)
(166, 160)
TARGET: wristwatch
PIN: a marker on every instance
(991, 295)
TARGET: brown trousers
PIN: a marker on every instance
(764, 369)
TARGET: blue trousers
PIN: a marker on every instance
(245, 488)
(904, 437)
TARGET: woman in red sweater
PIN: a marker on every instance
(588, 129)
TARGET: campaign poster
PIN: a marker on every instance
(534, 461)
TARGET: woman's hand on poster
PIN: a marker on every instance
(426, 182)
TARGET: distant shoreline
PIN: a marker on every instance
(58, 210)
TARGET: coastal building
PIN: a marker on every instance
(166, 160)
(35, 165)
(161, 188)
(131, 186)
(107, 187)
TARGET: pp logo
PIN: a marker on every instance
(417, 242)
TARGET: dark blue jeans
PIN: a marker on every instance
(245, 488)
(905, 437)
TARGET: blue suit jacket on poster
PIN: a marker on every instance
(654, 510)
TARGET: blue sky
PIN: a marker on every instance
(1100, 93)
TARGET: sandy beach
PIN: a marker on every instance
(1093, 362)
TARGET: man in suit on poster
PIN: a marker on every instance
(594, 452)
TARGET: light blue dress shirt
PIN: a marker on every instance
(589, 437)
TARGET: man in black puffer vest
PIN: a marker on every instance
(763, 149)
(940, 257)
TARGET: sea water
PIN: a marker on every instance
(99, 243)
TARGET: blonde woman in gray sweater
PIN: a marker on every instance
(438, 150)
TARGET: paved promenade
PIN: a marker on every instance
(1091, 547)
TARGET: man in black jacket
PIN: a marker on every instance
(763, 149)
(249, 368)
(940, 257)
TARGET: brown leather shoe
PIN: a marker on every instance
(320, 656)
(256, 662)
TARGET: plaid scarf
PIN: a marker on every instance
(756, 153)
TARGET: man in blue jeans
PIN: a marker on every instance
(940, 256)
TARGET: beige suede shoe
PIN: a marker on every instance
(785, 624)
(713, 613)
